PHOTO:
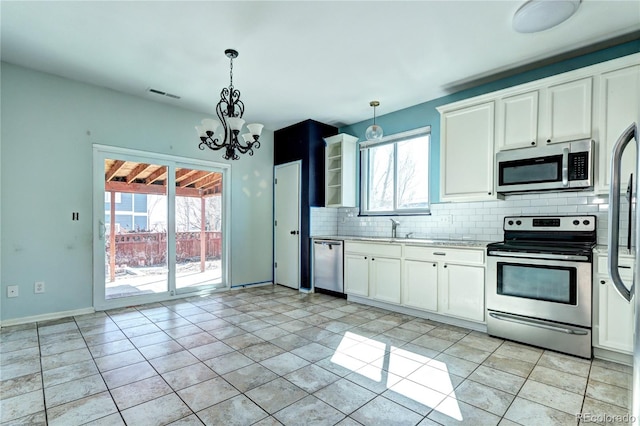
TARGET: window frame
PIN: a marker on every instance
(394, 139)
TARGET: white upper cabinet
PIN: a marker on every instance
(567, 112)
(467, 154)
(518, 121)
(340, 171)
(597, 102)
(619, 107)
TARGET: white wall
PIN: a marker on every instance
(48, 127)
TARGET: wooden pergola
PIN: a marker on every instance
(140, 178)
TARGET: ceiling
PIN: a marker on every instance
(142, 178)
(323, 60)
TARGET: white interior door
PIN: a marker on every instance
(287, 224)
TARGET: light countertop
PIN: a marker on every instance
(408, 241)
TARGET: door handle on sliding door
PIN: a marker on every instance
(101, 229)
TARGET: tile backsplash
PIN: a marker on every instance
(473, 220)
(324, 221)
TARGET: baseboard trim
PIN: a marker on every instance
(46, 317)
(420, 314)
(611, 355)
(257, 284)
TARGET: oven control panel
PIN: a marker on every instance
(550, 223)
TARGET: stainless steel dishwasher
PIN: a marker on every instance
(328, 265)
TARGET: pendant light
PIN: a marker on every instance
(374, 132)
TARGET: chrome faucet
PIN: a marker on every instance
(394, 227)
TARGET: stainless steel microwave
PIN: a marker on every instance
(556, 167)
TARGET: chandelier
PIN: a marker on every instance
(229, 111)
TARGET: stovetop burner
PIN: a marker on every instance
(548, 234)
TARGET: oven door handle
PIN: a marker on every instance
(548, 256)
(614, 211)
(565, 167)
(534, 323)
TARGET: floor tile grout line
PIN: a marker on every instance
(151, 365)
(100, 372)
(200, 361)
(369, 320)
(44, 399)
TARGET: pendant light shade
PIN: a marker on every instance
(374, 132)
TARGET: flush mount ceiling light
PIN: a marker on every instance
(540, 15)
(374, 132)
(229, 110)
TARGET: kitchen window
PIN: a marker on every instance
(394, 174)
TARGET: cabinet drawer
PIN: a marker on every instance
(444, 254)
(625, 266)
(389, 250)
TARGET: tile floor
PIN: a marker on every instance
(270, 355)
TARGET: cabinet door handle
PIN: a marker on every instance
(533, 143)
(445, 266)
(603, 282)
(439, 253)
(365, 258)
(434, 265)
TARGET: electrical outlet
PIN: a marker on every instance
(445, 218)
(12, 291)
(38, 287)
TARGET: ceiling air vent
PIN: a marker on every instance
(161, 93)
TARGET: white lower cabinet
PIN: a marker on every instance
(372, 270)
(461, 291)
(448, 281)
(614, 321)
(356, 275)
(420, 284)
(384, 279)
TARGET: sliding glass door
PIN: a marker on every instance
(198, 228)
(160, 227)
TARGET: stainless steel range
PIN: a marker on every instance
(539, 282)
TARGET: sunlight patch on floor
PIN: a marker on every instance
(418, 377)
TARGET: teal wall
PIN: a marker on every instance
(49, 125)
(425, 114)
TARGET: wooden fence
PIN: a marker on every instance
(150, 248)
